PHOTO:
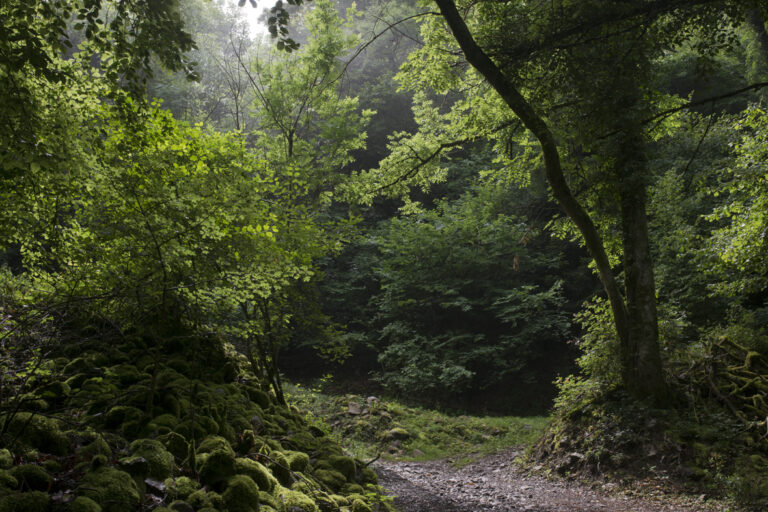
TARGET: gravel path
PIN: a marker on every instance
(495, 484)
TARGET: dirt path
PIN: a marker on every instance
(495, 484)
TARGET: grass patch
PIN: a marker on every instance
(368, 428)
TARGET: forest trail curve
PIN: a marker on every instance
(496, 484)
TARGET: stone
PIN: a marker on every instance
(32, 477)
(83, 504)
(112, 489)
(257, 472)
(354, 409)
(241, 495)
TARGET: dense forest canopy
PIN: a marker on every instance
(485, 206)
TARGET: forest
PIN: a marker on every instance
(383, 255)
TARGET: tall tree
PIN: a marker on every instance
(578, 77)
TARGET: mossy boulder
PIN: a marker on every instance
(344, 465)
(181, 487)
(214, 443)
(32, 477)
(78, 365)
(397, 434)
(127, 374)
(112, 489)
(359, 505)
(175, 443)
(281, 468)
(202, 500)
(43, 434)
(257, 472)
(96, 447)
(6, 458)
(331, 478)
(258, 396)
(296, 501)
(368, 476)
(83, 504)
(298, 461)
(35, 501)
(160, 461)
(54, 391)
(7, 480)
(76, 381)
(121, 414)
(216, 466)
(241, 495)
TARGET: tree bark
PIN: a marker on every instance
(639, 344)
(640, 356)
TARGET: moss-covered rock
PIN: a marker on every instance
(298, 461)
(112, 489)
(281, 468)
(175, 443)
(257, 472)
(32, 477)
(78, 365)
(181, 506)
(35, 501)
(83, 504)
(7, 480)
(6, 458)
(216, 466)
(159, 460)
(360, 506)
(331, 478)
(258, 396)
(96, 447)
(54, 391)
(203, 499)
(295, 500)
(122, 414)
(181, 487)
(368, 476)
(38, 432)
(344, 465)
(214, 443)
(241, 495)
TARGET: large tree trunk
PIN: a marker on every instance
(636, 329)
(640, 357)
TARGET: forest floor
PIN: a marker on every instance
(495, 483)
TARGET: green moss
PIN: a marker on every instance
(352, 489)
(360, 506)
(216, 466)
(32, 477)
(78, 365)
(295, 499)
(281, 468)
(113, 490)
(298, 461)
(331, 478)
(160, 461)
(7, 480)
(76, 381)
(344, 465)
(164, 420)
(258, 396)
(266, 499)
(97, 447)
(54, 391)
(121, 414)
(175, 443)
(35, 501)
(6, 458)
(214, 443)
(241, 495)
(368, 475)
(38, 432)
(202, 499)
(83, 504)
(258, 473)
(181, 487)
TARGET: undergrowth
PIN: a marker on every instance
(370, 427)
